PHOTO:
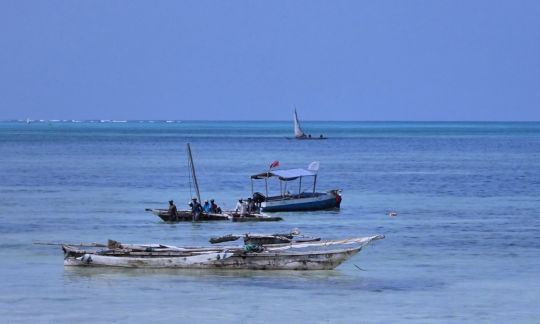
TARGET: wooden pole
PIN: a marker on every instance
(314, 182)
(300, 187)
(266, 184)
(193, 172)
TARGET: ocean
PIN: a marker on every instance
(465, 246)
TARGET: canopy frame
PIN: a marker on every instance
(285, 176)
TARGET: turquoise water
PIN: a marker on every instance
(465, 245)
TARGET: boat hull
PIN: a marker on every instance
(187, 216)
(317, 202)
(313, 260)
(251, 218)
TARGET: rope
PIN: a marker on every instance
(253, 248)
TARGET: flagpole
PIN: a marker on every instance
(272, 165)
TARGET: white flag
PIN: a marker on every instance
(313, 166)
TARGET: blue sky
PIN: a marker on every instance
(253, 60)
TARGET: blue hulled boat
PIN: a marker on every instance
(299, 200)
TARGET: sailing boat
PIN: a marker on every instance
(299, 133)
(187, 215)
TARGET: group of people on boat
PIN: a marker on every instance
(244, 208)
(196, 208)
(211, 207)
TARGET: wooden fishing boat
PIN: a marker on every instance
(269, 257)
(187, 216)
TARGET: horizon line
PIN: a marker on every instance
(272, 120)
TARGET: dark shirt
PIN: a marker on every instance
(252, 208)
(172, 210)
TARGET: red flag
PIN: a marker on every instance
(275, 164)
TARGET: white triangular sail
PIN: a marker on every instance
(297, 130)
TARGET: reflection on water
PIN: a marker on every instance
(331, 281)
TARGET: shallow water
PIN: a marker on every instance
(464, 247)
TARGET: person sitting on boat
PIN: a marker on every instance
(196, 208)
(214, 208)
(206, 207)
(241, 207)
(172, 210)
(251, 206)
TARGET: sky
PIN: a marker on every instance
(254, 60)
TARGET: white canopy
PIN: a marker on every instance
(286, 175)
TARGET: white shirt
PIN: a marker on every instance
(241, 208)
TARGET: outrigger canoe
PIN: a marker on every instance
(269, 257)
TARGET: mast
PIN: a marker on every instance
(193, 172)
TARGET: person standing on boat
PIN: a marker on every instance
(251, 207)
(206, 207)
(196, 209)
(172, 211)
(241, 207)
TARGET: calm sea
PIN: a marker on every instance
(465, 245)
